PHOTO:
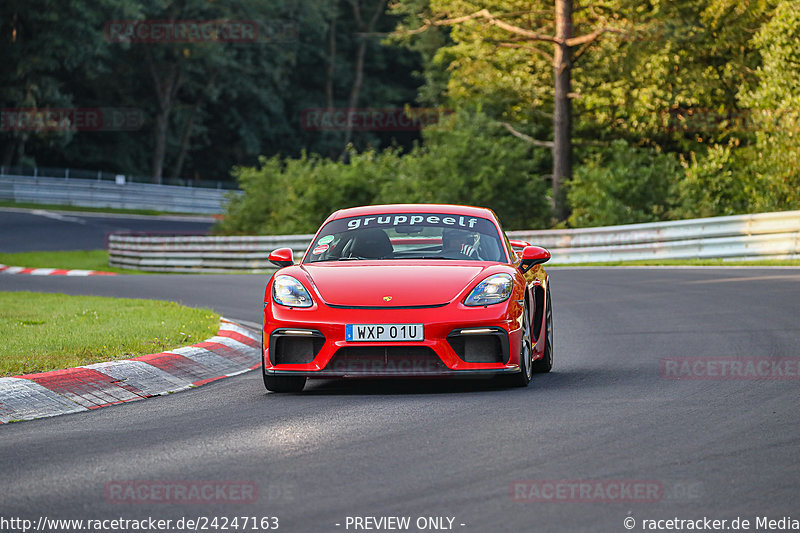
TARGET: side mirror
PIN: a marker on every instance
(518, 245)
(282, 257)
(532, 256)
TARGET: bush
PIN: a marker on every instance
(468, 159)
(715, 184)
(622, 185)
(733, 179)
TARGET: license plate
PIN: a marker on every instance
(384, 332)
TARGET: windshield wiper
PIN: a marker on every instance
(434, 257)
(360, 258)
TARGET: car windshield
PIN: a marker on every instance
(408, 236)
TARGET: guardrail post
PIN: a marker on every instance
(66, 174)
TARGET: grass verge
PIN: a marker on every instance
(40, 332)
(78, 208)
(72, 259)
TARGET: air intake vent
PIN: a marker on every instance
(294, 347)
(485, 347)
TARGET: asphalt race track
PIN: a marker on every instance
(606, 417)
(27, 230)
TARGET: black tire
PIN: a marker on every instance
(280, 383)
(523, 377)
(545, 364)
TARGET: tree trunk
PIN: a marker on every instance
(188, 125)
(329, 70)
(355, 89)
(562, 113)
(159, 147)
(361, 51)
(166, 92)
(185, 138)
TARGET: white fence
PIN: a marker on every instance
(118, 195)
(761, 236)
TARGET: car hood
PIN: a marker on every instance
(369, 283)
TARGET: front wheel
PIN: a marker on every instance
(522, 378)
(545, 364)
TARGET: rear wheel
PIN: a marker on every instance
(545, 364)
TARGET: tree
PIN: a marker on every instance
(523, 33)
(774, 111)
(185, 77)
(40, 51)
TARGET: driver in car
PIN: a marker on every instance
(458, 241)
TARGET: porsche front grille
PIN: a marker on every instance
(382, 360)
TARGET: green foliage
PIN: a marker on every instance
(292, 196)
(230, 103)
(467, 159)
(715, 184)
(471, 159)
(622, 185)
(775, 110)
(225, 103)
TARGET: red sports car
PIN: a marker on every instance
(407, 290)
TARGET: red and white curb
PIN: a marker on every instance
(234, 350)
(5, 269)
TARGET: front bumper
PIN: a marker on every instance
(311, 342)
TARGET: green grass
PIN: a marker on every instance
(40, 332)
(73, 259)
(80, 260)
(692, 262)
(59, 207)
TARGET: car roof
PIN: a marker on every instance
(414, 208)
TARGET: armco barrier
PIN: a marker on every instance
(158, 253)
(760, 236)
(757, 236)
(101, 193)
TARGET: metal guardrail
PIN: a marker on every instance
(757, 236)
(760, 236)
(118, 194)
(80, 173)
(199, 253)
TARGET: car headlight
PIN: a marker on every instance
(492, 290)
(289, 292)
